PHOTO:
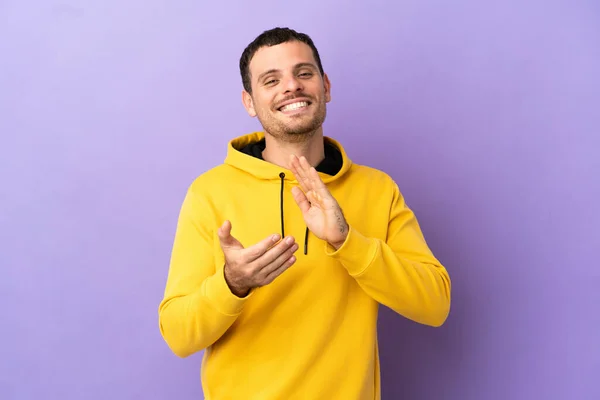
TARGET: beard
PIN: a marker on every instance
(294, 128)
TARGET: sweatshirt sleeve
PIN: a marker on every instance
(401, 271)
(198, 306)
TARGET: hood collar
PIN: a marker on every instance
(266, 170)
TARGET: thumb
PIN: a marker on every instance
(301, 199)
(225, 237)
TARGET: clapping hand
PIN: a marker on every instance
(322, 213)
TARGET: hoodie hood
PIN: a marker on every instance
(245, 153)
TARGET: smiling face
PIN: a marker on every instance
(289, 95)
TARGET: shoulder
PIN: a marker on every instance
(211, 180)
(216, 176)
(372, 175)
(377, 185)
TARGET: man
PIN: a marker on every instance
(284, 253)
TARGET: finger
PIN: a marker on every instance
(280, 270)
(224, 229)
(271, 255)
(317, 183)
(224, 233)
(259, 249)
(293, 163)
(279, 261)
(310, 174)
(226, 239)
(301, 199)
(305, 168)
(301, 174)
(294, 167)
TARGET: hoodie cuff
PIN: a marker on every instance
(220, 296)
(356, 254)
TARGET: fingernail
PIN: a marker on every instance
(289, 240)
(275, 237)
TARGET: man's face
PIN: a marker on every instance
(288, 92)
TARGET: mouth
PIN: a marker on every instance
(295, 107)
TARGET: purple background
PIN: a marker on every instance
(486, 113)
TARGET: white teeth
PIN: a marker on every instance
(294, 106)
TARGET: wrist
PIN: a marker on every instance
(235, 289)
(241, 293)
(337, 244)
(344, 229)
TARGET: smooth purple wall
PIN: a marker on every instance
(486, 113)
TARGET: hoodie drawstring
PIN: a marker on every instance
(306, 242)
(282, 176)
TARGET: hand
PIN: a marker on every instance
(257, 265)
(322, 213)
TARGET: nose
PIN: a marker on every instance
(292, 84)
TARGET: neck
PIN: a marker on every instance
(278, 151)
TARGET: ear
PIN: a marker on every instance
(248, 103)
(327, 86)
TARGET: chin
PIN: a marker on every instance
(294, 130)
(291, 136)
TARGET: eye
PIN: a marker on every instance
(270, 82)
(306, 74)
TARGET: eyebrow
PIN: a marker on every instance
(297, 66)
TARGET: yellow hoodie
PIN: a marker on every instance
(311, 333)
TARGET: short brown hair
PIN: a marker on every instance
(269, 38)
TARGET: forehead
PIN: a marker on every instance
(282, 56)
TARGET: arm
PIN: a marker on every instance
(198, 306)
(400, 272)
